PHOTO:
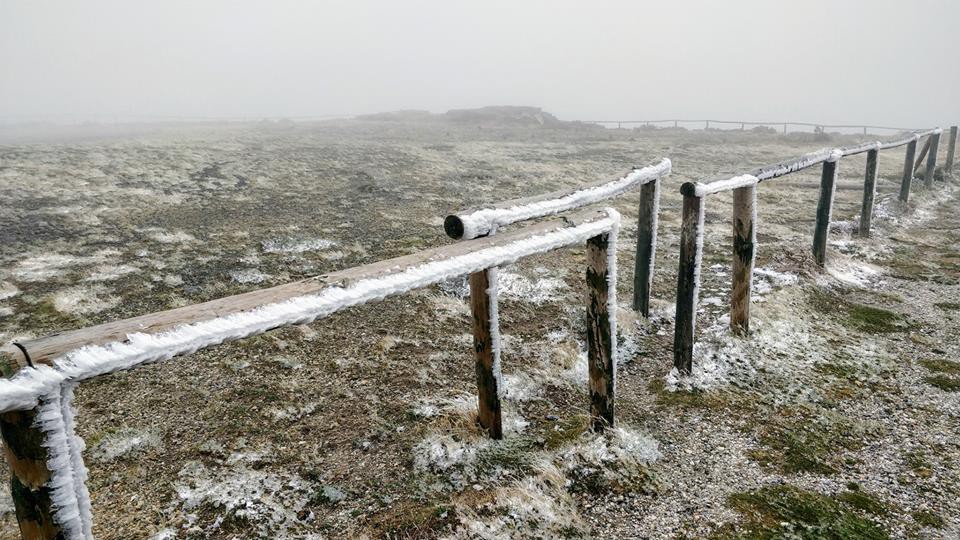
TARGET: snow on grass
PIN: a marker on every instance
(766, 280)
(44, 267)
(171, 237)
(248, 275)
(84, 300)
(111, 272)
(8, 290)
(536, 291)
(295, 245)
(853, 272)
(268, 502)
(123, 444)
(617, 450)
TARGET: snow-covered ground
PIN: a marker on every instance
(362, 424)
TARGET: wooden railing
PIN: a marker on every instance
(744, 188)
(36, 416)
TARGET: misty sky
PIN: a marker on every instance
(860, 61)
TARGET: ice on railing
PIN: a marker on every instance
(24, 389)
(481, 222)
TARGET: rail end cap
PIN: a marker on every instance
(453, 226)
(12, 360)
(689, 189)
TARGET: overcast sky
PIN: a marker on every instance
(831, 61)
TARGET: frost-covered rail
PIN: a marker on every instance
(745, 216)
(37, 420)
(469, 224)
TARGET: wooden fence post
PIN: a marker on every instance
(951, 150)
(932, 160)
(923, 155)
(908, 171)
(646, 246)
(744, 244)
(600, 353)
(688, 278)
(869, 192)
(27, 457)
(487, 380)
(828, 180)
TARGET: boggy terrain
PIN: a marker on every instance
(838, 418)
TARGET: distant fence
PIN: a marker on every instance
(744, 188)
(36, 414)
(676, 123)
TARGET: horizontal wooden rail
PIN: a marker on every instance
(468, 224)
(47, 349)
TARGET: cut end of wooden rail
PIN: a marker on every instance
(12, 360)
(453, 226)
(688, 189)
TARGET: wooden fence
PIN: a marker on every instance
(744, 188)
(743, 124)
(36, 417)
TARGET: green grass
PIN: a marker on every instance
(947, 384)
(928, 519)
(948, 306)
(805, 440)
(941, 366)
(789, 512)
(870, 319)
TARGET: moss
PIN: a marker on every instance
(947, 384)
(804, 440)
(789, 512)
(862, 501)
(873, 319)
(691, 398)
(865, 318)
(941, 366)
(918, 464)
(928, 519)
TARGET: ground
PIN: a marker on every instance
(836, 418)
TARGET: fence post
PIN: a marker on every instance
(923, 154)
(646, 246)
(484, 316)
(908, 171)
(688, 278)
(932, 160)
(600, 353)
(869, 192)
(744, 244)
(828, 181)
(27, 458)
(951, 150)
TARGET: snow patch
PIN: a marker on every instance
(294, 245)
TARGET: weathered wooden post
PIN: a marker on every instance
(923, 154)
(27, 457)
(869, 191)
(483, 304)
(908, 170)
(951, 150)
(828, 180)
(600, 351)
(646, 246)
(932, 159)
(744, 244)
(688, 278)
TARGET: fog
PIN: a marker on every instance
(857, 61)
